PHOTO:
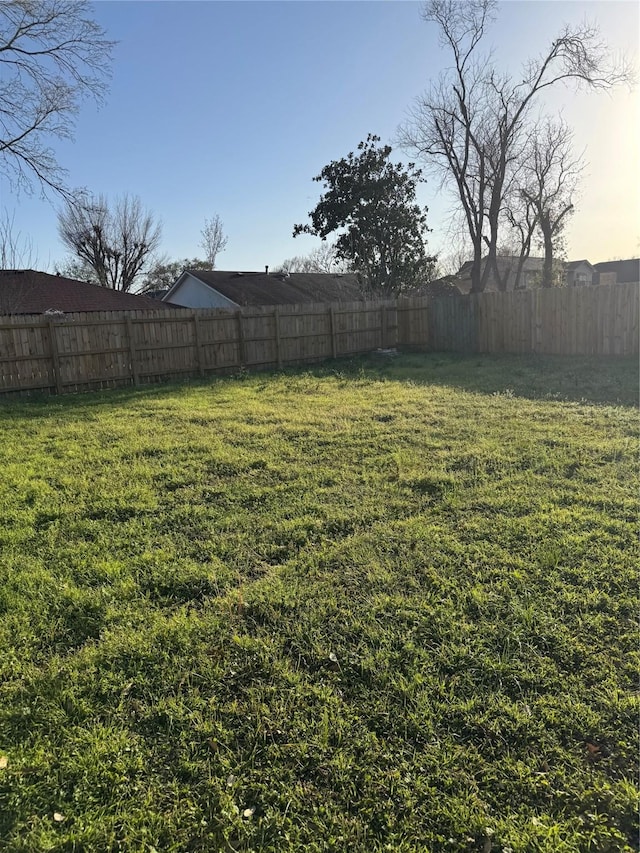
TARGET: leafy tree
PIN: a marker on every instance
(117, 243)
(164, 272)
(372, 202)
(52, 55)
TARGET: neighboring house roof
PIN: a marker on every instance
(507, 266)
(255, 288)
(626, 271)
(32, 292)
(504, 262)
(573, 265)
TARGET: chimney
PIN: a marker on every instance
(266, 270)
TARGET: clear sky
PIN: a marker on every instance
(231, 108)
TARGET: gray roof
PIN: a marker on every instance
(530, 263)
(256, 288)
(572, 265)
(628, 270)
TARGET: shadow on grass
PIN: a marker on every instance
(612, 381)
(85, 402)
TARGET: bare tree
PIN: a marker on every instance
(472, 126)
(446, 128)
(213, 240)
(322, 259)
(551, 179)
(17, 259)
(16, 248)
(73, 267)
(521, 216)
(116, 243)
(52, 56)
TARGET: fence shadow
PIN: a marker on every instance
(612, 381)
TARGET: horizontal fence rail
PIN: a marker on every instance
(86, 351)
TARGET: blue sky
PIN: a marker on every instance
(231, 108)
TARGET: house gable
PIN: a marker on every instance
(579, 273)
(191, 292)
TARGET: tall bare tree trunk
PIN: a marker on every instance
(547, 266)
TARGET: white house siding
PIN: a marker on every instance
(580, 275)
(192, 293)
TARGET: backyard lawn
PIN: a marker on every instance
(386, 604)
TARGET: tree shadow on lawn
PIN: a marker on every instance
(612, 381)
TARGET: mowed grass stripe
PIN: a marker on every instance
(379, 605)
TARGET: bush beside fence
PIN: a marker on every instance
(77, 352)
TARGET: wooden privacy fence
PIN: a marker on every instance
(600, 320)
(75, 352)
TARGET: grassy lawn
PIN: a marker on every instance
(382, 605)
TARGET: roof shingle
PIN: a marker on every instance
(32, 292)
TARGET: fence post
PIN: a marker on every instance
(241, 347)
(55, 358)
(383, 326)
(276, 320)
(132, 351)
(332, 330)
(196, 336)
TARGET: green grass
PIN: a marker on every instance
(383, 605)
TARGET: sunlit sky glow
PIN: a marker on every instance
(232, 108)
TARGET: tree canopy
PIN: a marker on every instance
(371, 203)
